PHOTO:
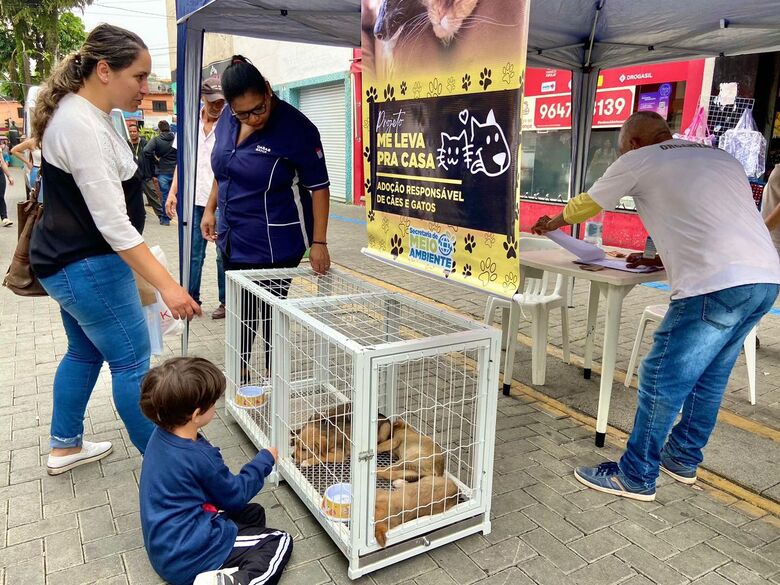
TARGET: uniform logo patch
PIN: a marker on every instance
(319, 153)
(262, 148)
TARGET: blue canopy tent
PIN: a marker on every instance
(583, 36)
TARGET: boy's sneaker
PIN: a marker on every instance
(89, 452)
(608, 478)
(221, 577)
(7, 222)
(681, 473)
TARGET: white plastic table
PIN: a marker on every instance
(614, 285)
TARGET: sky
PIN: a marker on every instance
(146, 18)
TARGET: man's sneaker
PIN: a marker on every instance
(219, 312)
(7, 222)
(89, 452)
(608, 478)
(221, 577)
(681, 473)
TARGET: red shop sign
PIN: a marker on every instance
(612, 108)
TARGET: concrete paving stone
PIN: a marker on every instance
(645, 539)
(472, 544)
(593, 520)
(503, 483)
(549, 498)
(686, 535)
(103, 483)
(749, 559)
(673, 491)
(770, 551)
(512, 448)
(127, 522)
(606, 571)
(557, 450)
(115, 580)
(511, 502)
(514, 433)
(712, 579)
(292, 505)
(111, 545)
(741, 575)
(72, 504)
(29, 572)
(96, 523)
(588, 499)
(636, 514)
(87, 572)
(503, 555)
(311, 549)
(511, 576)
(13, 555)
(124, 499)
(719, 507)
(543, 572)
(638, 580)
(561, 485)
(645, 563)
(407, 570)
(308, 526)
(598, 544)
(137, 568)
(62, 550)
(457, 565)
(677, 513)
(748, 509)
(24, 510)
(509, 465)
(513, 524)
(26, 457)
(546, 545)
(563, 467)
(336, 566)
(127, 464)
(697, 561)
(56, 488)
(309, 574)
(41, 528)
(27, 474)
(552, 523)
(766, 528)
(728, 530)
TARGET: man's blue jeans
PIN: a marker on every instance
(104, 321)
(199, 257)
(688, 367)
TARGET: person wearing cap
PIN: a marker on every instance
(213, 104)
(161, 151)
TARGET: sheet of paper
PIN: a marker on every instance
(618, 264)
(582, 250)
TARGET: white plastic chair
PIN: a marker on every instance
(656, 314)
(535, 302)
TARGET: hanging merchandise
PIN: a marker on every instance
(745, 143)
(698, 130)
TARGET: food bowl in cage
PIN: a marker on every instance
(251, 396)
(337, 502)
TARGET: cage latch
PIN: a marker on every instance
(366, 455)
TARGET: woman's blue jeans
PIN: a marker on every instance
(199, 257)
(688, 367)
(104, 321)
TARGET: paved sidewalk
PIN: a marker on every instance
(83, 527)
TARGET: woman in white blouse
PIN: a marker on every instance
(89, 238)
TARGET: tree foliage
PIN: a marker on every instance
(34, 34)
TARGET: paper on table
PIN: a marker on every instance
(589, 254)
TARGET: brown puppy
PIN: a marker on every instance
(431, 495)
(327, 439)
(416, 455)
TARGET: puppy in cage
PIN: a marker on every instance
(197, 522)
(411, 500)
(415, 455)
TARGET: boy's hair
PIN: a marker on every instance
(172, 391)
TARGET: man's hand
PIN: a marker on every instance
(319, 258)
(170, 205)
(208, 226)
(541, 226)
(634, 260)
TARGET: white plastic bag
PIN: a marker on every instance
(154, 325)
(168, 324)
(746, 144)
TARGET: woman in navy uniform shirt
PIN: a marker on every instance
(271, 188)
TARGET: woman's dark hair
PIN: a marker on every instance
(240, 77)
(172, 391)
(117, 46)
(163, 126)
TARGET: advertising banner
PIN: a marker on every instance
(442, 86)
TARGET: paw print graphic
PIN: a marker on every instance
(510, 282)
(417, 90)
(490, 239)
(454, 269)
(434, 87)
(404, 224)
(404, 87)
(466, 82)
(367, 152)
(471, 243)
(385, 224)
(371, 95)
(509, 73)
(389, 93)
(434, 227)
(395, 244)
(484, 78)
(451, 83)
(487, 271)
(371, 215)
(467, 270)
(367, 185)
(510, 246)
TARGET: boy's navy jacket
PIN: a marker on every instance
(179, 478)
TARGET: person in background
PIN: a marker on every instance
(196, 518)
(724, 272)
(3, 207)
(152, 193)
(161, 152)
(28, 151)
(213, 104)
(5, 150)
(271, 187)
(88, 242)
(770, 206)
(14, 137)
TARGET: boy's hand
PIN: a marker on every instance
(274, 452)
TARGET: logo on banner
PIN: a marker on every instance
(431, 247)
(485, 150)
(548, 86)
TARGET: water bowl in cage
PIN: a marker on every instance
(337, 502)
(251, 396)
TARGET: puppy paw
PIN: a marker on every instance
(399, 482)
(306, 463)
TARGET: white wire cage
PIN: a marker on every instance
(382, 410)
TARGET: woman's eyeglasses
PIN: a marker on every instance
(258, 111)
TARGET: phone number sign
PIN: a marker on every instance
(612, 108)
